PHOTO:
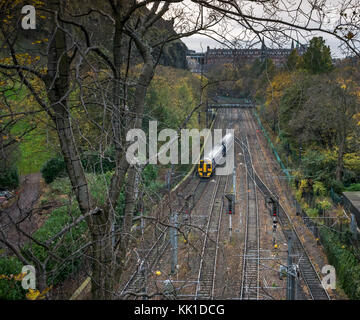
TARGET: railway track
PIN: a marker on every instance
(207, 269)
(137, 283)
(192, 191)
(307, 269)
(251, 264)
(147, 261)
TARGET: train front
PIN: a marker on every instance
(205, 168)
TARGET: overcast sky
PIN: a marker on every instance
(199, 43)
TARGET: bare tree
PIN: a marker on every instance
(103, 78)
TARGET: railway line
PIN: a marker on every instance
(250, 275)
(193, 190)
(200, 204)
(207, 269)
(307, 269)
(150, 256)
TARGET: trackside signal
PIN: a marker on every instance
(231, 199)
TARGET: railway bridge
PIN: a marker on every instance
(245, 105)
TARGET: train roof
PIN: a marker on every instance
(227, 138)
(215, 151)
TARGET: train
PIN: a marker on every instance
(207, 165)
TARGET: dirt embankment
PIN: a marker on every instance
(19, 218)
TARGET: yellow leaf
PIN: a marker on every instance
(32, 294)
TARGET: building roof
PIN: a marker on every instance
(354, 198)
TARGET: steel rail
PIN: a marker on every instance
(217, 240)
(307, 269)
(164, 247)
(213, 197)
(251, 269)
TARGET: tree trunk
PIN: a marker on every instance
(340, 160)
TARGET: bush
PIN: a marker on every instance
(353, 187)
(71, 242)
(312, 212)
(76, 237)
(53, 168)
(337, 186)
(91, 161)
(10, 289)
(345, 262)
(94, 163)
(9, 178)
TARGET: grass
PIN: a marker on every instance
(34, 152)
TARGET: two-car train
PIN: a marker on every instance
(207, 165)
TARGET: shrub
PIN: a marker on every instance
(337, 186)
(53, 168)
(345, 262)
(76, 237)
(10, 289)
(9, 178)
(149, 174)
(312, 212)
(71, 242)
(94, 163)
(353, 187)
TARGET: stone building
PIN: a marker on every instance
(197, 61)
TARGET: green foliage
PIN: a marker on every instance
(324, 204)
(149, 174)
(53, 168)
(346, 264)
(61, 186)
(319, 167)
(94, 162)
(171, 96)
(317, 58)
(10, 289)
(319, 188)
(73, 240)
(9, 178)
(70, 243)
(336, 186)
(293, 60)
(353, 187)
(312, 212)
(34, 152)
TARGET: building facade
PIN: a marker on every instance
(202, 61)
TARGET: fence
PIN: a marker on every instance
(336, 198)
(273, 149)
(310, 223)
